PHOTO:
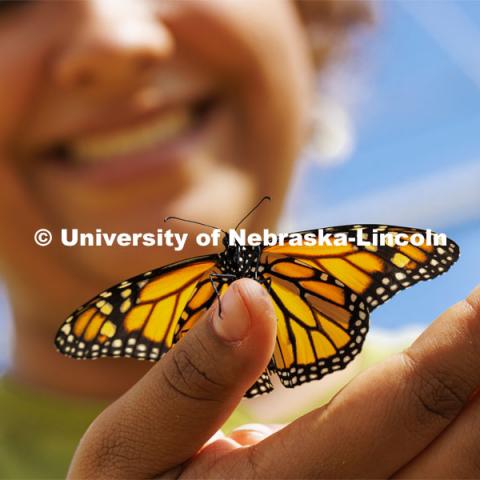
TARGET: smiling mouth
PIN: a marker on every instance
(155, 132)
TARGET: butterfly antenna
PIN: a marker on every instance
(266, 197)
(166, 219)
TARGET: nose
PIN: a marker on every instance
(114, 45)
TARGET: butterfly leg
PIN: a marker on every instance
(267, 282)
(213, 276)
(262, 280)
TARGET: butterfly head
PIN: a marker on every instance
(236, 260)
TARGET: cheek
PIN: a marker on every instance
(23, 49)
(24, 44)
(262, 50)
(27, 40)
(19, 68)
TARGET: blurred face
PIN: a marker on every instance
(115, 114)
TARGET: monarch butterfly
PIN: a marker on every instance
(322, 296)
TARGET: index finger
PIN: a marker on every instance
(390, 413)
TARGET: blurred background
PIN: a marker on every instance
(398, 143)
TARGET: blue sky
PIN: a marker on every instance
(421, 112)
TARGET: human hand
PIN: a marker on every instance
(404, 418)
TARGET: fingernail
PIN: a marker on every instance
(234, 323)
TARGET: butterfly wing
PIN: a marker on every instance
(139, 317)
(317, 291)
(261, 386)
(375, 272)
(202, 298)
(321, 323)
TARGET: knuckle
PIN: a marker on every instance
(438, 396)
(186, 375)
(106, 453)
(255, 463)
(111, 454)
(263, 463)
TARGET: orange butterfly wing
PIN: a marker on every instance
(139, 317)
(375, 272)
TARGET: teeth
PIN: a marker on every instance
(159, 130)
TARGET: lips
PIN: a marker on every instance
(157, 131)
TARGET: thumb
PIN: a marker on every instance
(186, 397)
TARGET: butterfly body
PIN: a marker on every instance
(240, 260)
(322, 295)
